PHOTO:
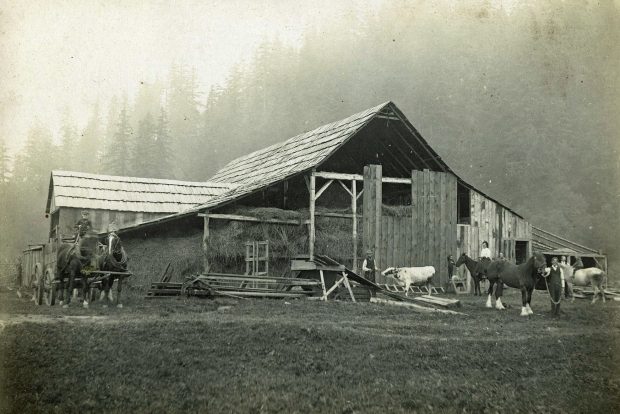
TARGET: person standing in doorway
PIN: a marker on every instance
(369, 266)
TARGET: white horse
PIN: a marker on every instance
(585, 277)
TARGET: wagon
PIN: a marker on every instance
(39, 271)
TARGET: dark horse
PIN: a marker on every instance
(114, 259)
(69, 263)
(523, 276)
(477, 270)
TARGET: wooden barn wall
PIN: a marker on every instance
(426, 237)
(100, 219)
(493, 223)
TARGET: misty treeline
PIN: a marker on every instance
(522, 105)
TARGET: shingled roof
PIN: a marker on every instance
(107, 192)
(300, 153)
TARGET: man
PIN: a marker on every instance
(554, 284)
(369, 267)
(566, 283)
(83, 225)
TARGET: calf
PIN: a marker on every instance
(408, 276)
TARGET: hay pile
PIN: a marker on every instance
(148, 258)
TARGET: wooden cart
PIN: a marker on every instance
(39, 272)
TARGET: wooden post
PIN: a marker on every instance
(312, 235)
(354, 212)
(372, 211)
(205, 244)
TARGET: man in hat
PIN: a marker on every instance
(83, 225)
(369, 267)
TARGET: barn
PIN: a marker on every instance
(367, 182)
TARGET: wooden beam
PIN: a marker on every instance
(413, 151)
(205, 244)
(312, 198)
(325, 186)
(354, 225)
(236, 217)
(345, 187)
(359, 177)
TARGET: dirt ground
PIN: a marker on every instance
(201, 355)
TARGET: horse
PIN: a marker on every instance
(69, 263)
(523, 276)
(584, 277)
(477, 270)
(113, 259)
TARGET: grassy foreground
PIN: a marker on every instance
(300, 356)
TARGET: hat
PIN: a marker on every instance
(85, 212)
(368, 251)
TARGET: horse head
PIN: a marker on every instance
(462, 259)
(539, 263)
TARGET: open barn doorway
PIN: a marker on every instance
(521, 249)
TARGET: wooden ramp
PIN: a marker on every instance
(427, 300)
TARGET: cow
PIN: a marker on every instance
(412, 276)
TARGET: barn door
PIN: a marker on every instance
(433, 223)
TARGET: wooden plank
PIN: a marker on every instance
(414, 215)
(312, 199)
(354, 223)
(389, 237)
(378, 175)
(236, 217)
(443, 233)
(427, 217)
(205, 245)
(322, 190)
(413, 306)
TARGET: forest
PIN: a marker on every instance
(526, 112)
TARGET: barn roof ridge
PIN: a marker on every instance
(153, 195)
(136, 180)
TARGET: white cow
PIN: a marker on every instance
(408, 276)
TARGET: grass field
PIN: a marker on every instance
(257, 356)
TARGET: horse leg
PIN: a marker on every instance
(61, 290)
(476, 285)
(85, 291)
(498, 294)
(524, 311)
(529, 301)
(490, 294)
(594, 293)
(119, 289)
(601, 289)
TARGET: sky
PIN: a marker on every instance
(59, 57)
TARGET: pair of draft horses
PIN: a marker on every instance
(525, 277)
(73, 260)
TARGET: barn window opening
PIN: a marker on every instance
(463, 204)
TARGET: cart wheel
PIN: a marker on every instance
(50, 288)
(38, 273)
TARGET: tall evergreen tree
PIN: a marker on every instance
(162, 150)
(69, 145)
(143, 154)
(119, 151)
(90, 144)
(5, 161)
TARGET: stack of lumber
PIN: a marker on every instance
(580, 293)
(239, 286)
